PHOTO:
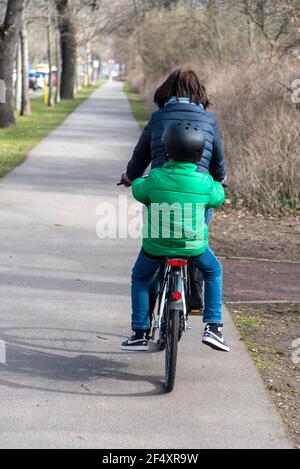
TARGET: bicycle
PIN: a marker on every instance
(172, 313)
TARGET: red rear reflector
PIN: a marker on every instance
(177, 295)
(177, 262)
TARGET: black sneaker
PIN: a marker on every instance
(213, 337)
(138, 341)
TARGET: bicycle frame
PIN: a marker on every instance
(174, 279)
(172, 313)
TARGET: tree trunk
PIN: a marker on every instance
(85, 66)
(58, 66)
(68, 48)
(89, 63)
(9, 32)
(25, 102)
(76, 81)
(49, 53)
(18, 82)
(213, 11)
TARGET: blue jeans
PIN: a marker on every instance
(145, 276)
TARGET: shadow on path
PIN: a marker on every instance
(61, 360)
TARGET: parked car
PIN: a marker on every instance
(43, 69)
(36, 80)
(39, 77)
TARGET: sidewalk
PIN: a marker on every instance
(65, 308)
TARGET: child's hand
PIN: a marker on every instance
(224, 181)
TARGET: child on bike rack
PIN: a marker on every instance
(179, 189)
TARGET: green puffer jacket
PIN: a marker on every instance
(176, 196)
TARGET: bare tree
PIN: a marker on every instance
(25, 101)
(9, 32)
(58, 65)
(68, 46)
(18, 77)
(265, 18)
(78, 23)
(290, 9)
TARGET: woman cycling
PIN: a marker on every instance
(180, 97)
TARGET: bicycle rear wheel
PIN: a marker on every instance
(172, 332)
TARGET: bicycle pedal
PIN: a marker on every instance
(196, 312)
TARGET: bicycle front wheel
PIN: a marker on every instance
(172, 333)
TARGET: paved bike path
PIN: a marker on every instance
(65, 305)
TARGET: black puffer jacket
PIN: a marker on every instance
(150, 150)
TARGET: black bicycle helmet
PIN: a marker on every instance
(183, 141)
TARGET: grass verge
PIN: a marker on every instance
(272, 335)
(17, 142)
(138, 106)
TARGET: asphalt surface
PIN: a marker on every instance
(65, 308)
